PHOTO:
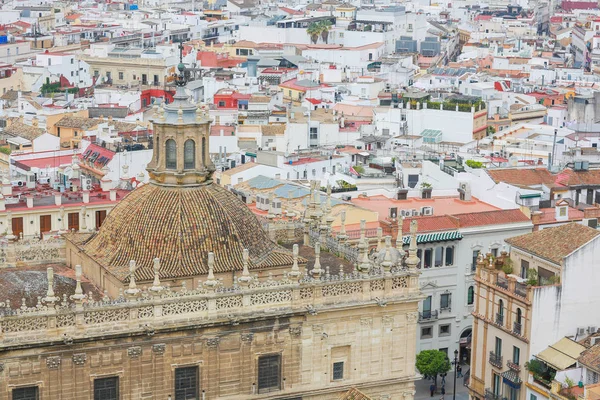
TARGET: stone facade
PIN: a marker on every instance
(367, 321)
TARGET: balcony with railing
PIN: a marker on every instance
(502, 282)
(499, 319)
(495, 359)
(428, 315)
(517, 328)
(490, 395)
(513, 366)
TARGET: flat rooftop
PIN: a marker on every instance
(441, 205)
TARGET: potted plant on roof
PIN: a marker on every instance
(426, 190)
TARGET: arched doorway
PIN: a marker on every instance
(465, 346)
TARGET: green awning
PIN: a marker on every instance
(434, 237)
(530, 195)
(250, 154)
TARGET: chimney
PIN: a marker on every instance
(536, 217)
(29, 201)
(2, 204)
(113, 194)
(57, 198)
(86, 196)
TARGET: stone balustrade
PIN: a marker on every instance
(143, 310)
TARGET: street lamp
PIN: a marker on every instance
(455, 373)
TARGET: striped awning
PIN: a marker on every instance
(434, 237)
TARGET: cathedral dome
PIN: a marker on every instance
(180, 226)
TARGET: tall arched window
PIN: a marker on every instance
(189, 154)
(518, 327)
(171, 153)
(500, 315)
(156, 147)
(471, 295)
(204, 151)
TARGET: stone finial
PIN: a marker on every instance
(379, 238)
(317, 271)
(50, 298)
(199, 114)
(413, 261)
(156, 286)
(78, 296)
(363, 228)
(180, 115)
(387, 257)
(328, 197)
(364, 264)
(245, 279)
(295, 272)
(211, 282)
(399, 239)
(132, 290)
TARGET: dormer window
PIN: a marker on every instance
(562, 212)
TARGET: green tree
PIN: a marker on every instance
(324, 27)
(432, 363)
(313, 31)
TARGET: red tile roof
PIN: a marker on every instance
(491, 218)
(291, 11)
(522, 176)
(554, 244)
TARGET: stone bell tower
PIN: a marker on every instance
(181, 134)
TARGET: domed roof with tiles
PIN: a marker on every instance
(181, 216)
(181, 225)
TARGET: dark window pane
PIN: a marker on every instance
(106, 388)
(338, 370)
(269, 370)
(186, 383)
(189, 154)
(25, 393)
(171, 153)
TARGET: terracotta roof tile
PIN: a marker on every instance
(491, 218)
(591, 358)
(20, 129)
(554, 244)
(181, 226)
(522, 176)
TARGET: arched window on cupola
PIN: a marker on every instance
(189, 154)
(171, 154)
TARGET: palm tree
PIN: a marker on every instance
(313, 31)
(324, 27)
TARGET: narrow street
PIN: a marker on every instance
(462, 393)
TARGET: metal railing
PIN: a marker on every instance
(490, 395)
(495, 359)
(514, 366)
(502, 282)
(517, 328)
(428, 315)
(499, 319)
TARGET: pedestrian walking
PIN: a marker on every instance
(432, 389)
(443, 379)
(443, 392)
(459, 371)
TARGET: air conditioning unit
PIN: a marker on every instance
(262, 202)
(416, 213)
(346, 197)
(595, 340)
(405, 213)
(276, 206)
(592, 329)
(86, 183)
(427, 210)
(464, 185)
(580, 331)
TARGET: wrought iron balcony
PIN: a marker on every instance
(514, 366)
(495, 359)
(517, 328)
(502, 282)
(490, 395)
(499, 319)
(428, 315)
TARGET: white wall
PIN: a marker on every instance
(559, 310)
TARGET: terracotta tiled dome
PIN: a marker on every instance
(181, 225)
